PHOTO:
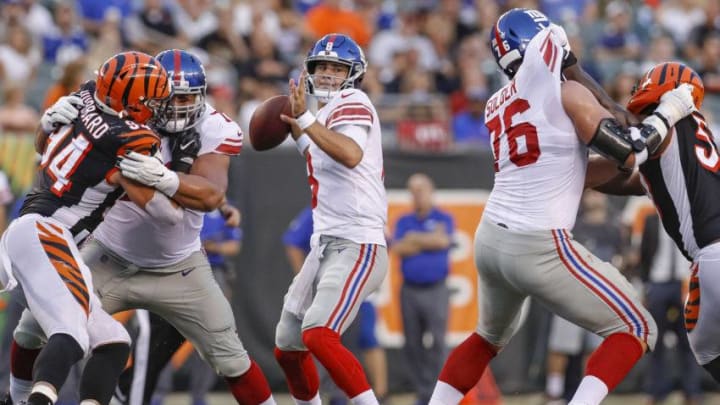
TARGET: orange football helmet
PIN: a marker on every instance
(660, 79)
(134, 85)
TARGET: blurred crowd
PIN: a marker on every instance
(430, 68)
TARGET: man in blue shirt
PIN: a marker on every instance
(423, 239)
(469, 126)
(297, 245)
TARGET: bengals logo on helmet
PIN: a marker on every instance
(135, 85)
(660, 79)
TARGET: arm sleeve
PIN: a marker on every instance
(220, 134)
(357, 133)
(354, 111)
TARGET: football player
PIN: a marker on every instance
(78, 181)
(541, 128)
(680, 178)
(138, 262)
(348, 258)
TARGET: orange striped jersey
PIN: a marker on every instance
(73, 178)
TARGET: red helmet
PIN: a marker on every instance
(660, 79)
(135, 85)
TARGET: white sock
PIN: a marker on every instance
(46, 389)
(314, 401)
(271, 401)
(445, 394)
(89, 402)
(590, 392)
(19, 389)
(365, 398)
(555, 385)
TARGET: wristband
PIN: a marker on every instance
(302, 143)
(305, 120)
(169, 184)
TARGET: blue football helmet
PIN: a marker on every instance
(188, 77)
(512, 33)
(336, 48)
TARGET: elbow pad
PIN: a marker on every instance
(161, 208)
(614, 142)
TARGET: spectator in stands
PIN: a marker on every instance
(469, 126)
(223, 42)
(13, 14)
(73, 75)
(422, 239)
(107, 44)
(700, 32)
(65, 39)
(93, 13)
(618, 42)
(330, 16)
(30, 13)
(567, 12)
(263, 62)
(621, 86)
(441, 30)
(663, 269)
(709, 67)
(662, 49)
(19, 58)
(195, 18)
(16, 116)
(405, 37)
(679, 17)
(154, 27)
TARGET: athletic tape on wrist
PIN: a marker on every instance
(302, 143)
(305, 120)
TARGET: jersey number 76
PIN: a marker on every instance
(522, 132)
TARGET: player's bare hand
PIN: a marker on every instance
(297, 95)
(623, 116)
(231, 214)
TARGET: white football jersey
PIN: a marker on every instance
(349, 203)
(540, 162)
(130, 232)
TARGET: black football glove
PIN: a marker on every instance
(185, 147)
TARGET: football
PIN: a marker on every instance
(267, 130)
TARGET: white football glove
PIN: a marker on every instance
(675, 105)
(560, 36)
(150, 171)
(61, 113)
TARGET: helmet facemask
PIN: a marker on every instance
(324, 94)
(184, 109)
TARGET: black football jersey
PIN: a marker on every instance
(684, 183)
(73, 184)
